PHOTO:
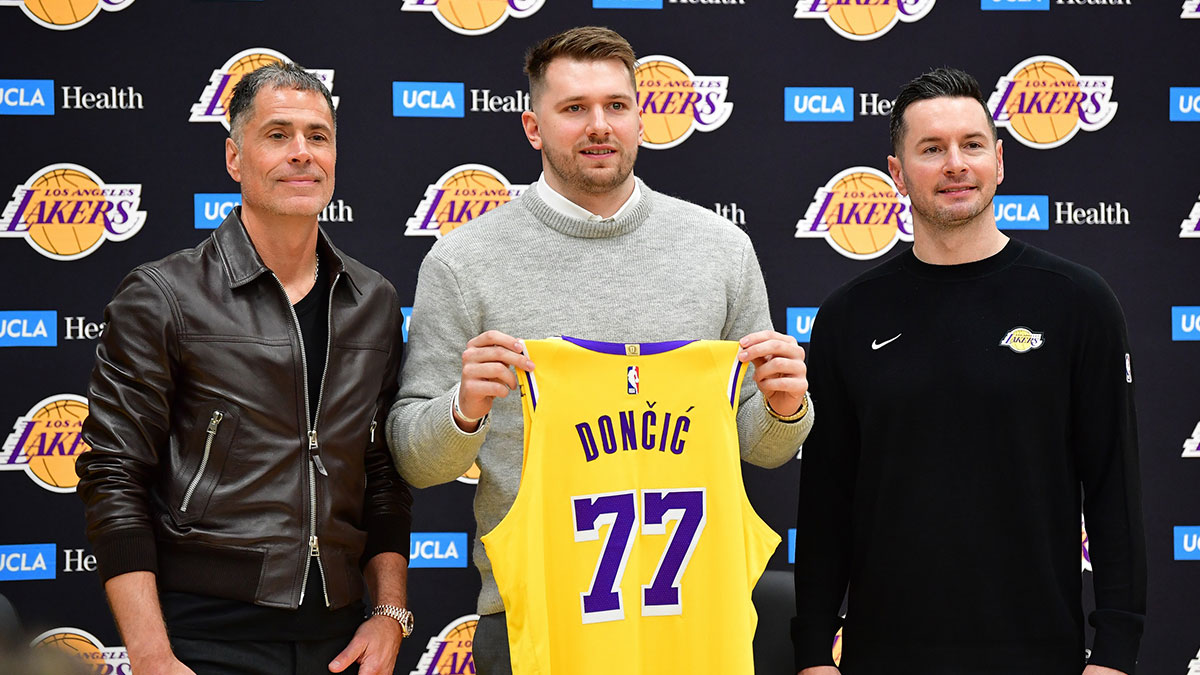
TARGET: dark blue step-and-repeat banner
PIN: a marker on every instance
(772, 113)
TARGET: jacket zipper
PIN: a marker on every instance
(213, 423)
(314, 448)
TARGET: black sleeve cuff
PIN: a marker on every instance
(128, 550)
(813, 645)
(386, 533)
(1118, 638)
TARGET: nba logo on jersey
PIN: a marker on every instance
(634, 380)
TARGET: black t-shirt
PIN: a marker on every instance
(192, 615)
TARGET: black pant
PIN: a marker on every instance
(250, 657)
(490, 646)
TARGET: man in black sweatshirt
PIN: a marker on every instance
(974, 393)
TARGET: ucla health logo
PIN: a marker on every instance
(1191, 10)
(676, 102)
(28, 329)
(65, 14)
(857, 20)
(800, 322)
(450, 650)
(1185, 323)
(1187, 542)
(859, 212)
(211, 209)
(46, 440)
(1185, 104)
(26, 97)
(87, 648)
(1022, 212)
(65, 211)
(627, 4)
(473, 17)
(428, 99)
(818, 104)
(214, 100)
(438, 549)
(1015, 5)
(1044, 102)
(26, 562)
(407, 313)
(460, 195)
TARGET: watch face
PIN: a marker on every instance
(407, 624)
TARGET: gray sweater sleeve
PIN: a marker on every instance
(428, 446)
(763, 439)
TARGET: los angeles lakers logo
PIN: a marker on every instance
(676, 102)
(449, 652)
(80, 644)
(857, 20)
(473, 17)
(860, 213)
(1044, 102)
(1021, 340)
(46, 440)
(214, 101)
(461, 194)
(837, 648)
(1190, 227)
(1191, 9)
(65, 211)
(65, 14)
(1087, 556)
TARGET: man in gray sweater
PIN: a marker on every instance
(587, 251)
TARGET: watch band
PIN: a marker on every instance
(401, 615)
(799, 414)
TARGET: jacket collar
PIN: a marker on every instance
(242, 262)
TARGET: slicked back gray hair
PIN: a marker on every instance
(278, 76)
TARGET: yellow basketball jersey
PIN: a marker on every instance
(631, 547)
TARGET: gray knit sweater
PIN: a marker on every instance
(665, 270)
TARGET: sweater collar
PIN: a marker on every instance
(626, 220)
(555, 200)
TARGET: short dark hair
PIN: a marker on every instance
(938, 83)
(281, 75)
(585, 43)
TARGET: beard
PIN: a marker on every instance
(954, 216)
(567, 167)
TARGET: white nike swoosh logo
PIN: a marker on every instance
(877, 345)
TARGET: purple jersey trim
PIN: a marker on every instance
(733, 391)
(529, 386)
(644, 348)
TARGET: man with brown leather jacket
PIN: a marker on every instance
(237, 471)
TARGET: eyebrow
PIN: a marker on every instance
(611, 97)
(972, 135)
(280, 122)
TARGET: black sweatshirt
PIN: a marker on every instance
(966, 413)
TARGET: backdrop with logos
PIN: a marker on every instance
(773, 113)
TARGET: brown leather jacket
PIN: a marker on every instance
(203, 468)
